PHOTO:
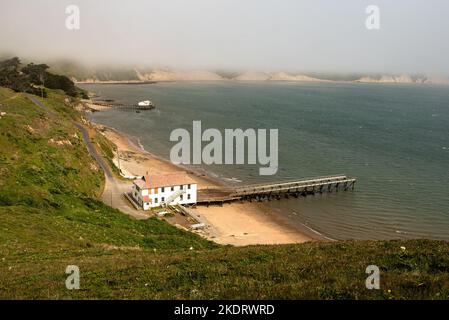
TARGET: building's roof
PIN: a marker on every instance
(163, 180)
(140, 183)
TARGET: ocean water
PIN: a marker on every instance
(393, 138)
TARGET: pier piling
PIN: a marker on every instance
(270, 191)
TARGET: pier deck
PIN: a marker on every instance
(114, 105)
(269, 191)
(132, 107)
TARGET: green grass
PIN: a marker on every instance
(48, 191)
(307, 271)
(36, 171)
(50, 217)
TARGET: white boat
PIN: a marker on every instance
(145, 103)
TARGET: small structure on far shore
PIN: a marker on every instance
(163, 189)
(146, 103)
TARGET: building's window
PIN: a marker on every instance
(163, 189)
(188, 197)
(188, 186)
(172, 188)
(155, 200)
(181, 197)
(163, 199)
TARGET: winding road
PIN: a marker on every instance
(93, 152)
(114, 189)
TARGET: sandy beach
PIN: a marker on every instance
(136, 162)
(237, 224)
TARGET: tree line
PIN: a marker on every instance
(34, 78)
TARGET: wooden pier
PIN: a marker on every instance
(270, 191)
(132, 107)
(108, 103)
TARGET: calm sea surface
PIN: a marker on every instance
(393, 138)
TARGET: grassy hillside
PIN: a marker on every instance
(307, 271)
(50, 217)
(49, 185)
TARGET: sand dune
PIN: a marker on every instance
(277, 76)
(168, 74)
(173, 75)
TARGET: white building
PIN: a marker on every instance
(161, 189)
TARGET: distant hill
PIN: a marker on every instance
(165, 74)
(79, 72)
(176, 75)
(403, 78)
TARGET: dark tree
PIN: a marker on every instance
(10, 64)
(36, 72)
(9, 72)
(33, 78)
(54, 81)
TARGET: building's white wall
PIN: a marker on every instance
(165, 194)
(138, 196)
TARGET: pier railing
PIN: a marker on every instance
(311, 184)
(277, 190)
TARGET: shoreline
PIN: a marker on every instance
(238, 224)
(134, 144)
(357, 81)
(130, 82)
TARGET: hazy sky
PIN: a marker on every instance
(262, 35)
